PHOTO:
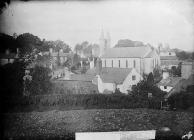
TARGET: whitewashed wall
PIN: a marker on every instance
(122, 63)
(104, 86)
(128, 82)
(168, 88)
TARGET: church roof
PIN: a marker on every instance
(168, 58)
(127, 52)
(114, 75)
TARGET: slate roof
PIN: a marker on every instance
(91, 71)
(181, 85)
(170, 62)
(168, 58)
(171, 81)
(114, 75)
(127, 52)
(82, 77)
(54, 54)
(151, 54)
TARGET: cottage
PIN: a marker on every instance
(122, 78)
(168, 84)
(168, 58)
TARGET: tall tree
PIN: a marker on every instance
(40, 83)
(150, 79)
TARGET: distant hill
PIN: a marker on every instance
(128, 43)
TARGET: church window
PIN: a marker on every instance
(126, 64)
(134, 63)
(112, 63)
(119, 63)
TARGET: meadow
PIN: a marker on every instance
(57, 124)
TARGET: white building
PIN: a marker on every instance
(187, 69)
(143, 59)
(122, 78)
(168, 58)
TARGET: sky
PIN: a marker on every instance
(149, 21)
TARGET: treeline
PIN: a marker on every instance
(183, 55)
(27, 43)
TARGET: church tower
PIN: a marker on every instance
(104, 42)
(108, 40)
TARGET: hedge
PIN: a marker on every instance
(76, 101)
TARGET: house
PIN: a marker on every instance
(122, 78)
(168, 84)
(187, 69)
(168, 58)
(144, 59)
(169, 61)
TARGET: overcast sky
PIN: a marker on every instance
(149, 21)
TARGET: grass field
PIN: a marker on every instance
(63, 124)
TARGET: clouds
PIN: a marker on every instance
(150, 21)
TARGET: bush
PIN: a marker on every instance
(181, 101)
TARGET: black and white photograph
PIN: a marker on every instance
(97, 69)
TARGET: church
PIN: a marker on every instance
(123, 67)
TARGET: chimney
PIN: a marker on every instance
(165, 75)
(98, 66)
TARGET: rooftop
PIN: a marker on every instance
(127, 52)
(114, 75)
(170, 62)
(171, 81)
(168, 58)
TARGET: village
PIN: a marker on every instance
(101, 77)
(109, 68)
(90, 70)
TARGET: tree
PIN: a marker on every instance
(150, 79)
(178, 70)
(28, 42)
(40, 83)
(8, 42)
(12, 79)
(182, 55)
(58, 45)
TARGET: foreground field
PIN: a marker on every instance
(64, 124)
